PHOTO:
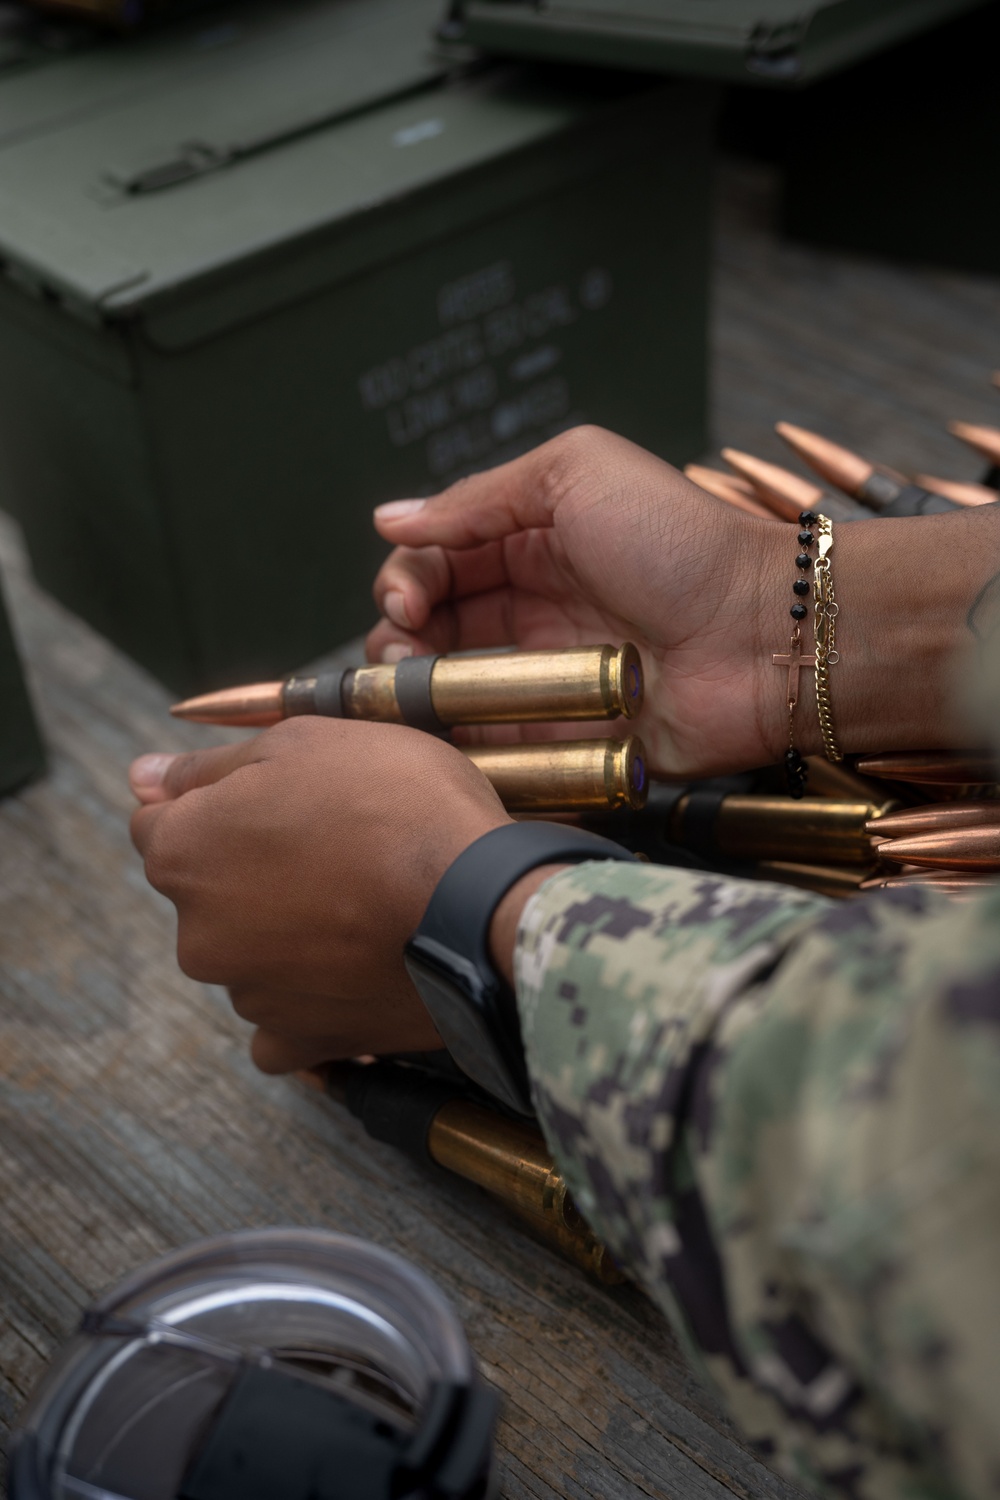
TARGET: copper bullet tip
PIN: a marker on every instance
(786, 493)
(727, 487)
(937, 817)
(972, 850)
(985, 440)
(252, 707)
(957, 490)
(932, 767)
(837, 465)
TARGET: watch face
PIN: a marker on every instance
(461, 1019)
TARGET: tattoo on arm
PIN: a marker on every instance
(983, 618)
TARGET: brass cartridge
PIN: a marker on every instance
(515, 687)
(581, 682)
(814, 829)
(510, 1160)
(566, 775)
(427, 1115)
(825, 880)
(945, 882)
(839, 781)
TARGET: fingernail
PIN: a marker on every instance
(395, 652)
(397, 509)
(149, 770)
(394, 605)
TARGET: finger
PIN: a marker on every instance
(516, 496)
(502, 617)
(472, 625)
(409, 581)
(163, 778)
(142, 824)
(413, 580)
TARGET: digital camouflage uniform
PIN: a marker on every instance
(783, 1114)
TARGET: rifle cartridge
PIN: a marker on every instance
(727, 487)
(835, 463)
(969, 850)
(985, 440)
(961, 492)
(943, 881)
(836, 779)
(428, 1116)
(437, 692)
(787, 494)
(813, 829)
(878, 486)
(825, 880)
(936, 817)
(566, 775)
(932, 767)
(510, 1161)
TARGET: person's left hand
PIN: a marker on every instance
(300, 862)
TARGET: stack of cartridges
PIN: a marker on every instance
(873, 825)
(853, 488)
(951, 843)
(439, 693)
(929, 819)
(864, 827)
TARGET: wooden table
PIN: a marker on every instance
(132, 1120)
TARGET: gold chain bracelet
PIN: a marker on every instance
(825, 612)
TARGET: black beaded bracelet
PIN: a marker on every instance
(796, 769)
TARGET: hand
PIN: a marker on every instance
(589, 538)
(300, 862)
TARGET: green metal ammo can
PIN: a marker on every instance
(264, 273)
(883, 118)
(788, 42)
(21, 754)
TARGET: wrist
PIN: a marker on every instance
(903, 588)
(507, 918)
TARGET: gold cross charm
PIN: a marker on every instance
(794, 661)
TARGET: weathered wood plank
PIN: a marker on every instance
(131, 1120)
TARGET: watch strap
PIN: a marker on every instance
(453, 939)
(461, 909)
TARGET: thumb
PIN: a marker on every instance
(517, 496)
(163, 778)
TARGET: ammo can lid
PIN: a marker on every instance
(151, 166)
(779, 42)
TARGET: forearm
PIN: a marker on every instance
(783, 1115)
(905, 589)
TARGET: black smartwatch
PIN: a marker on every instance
(448, 957)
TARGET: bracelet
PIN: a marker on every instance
(825, 612)
(796, 769)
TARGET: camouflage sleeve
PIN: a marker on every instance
(783, 1115)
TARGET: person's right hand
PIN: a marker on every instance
(587, 539)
